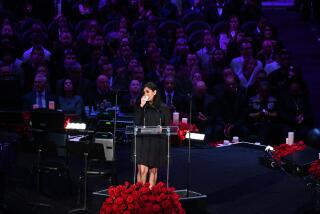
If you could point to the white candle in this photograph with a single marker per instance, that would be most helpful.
(175, 117)
(51, 105)
(184, 120)
(35, 106)
(235, 139)
(287, 141)
(290, 138)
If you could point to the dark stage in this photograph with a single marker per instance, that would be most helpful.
(231, 177)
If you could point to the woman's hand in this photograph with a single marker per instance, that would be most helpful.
(143, 101)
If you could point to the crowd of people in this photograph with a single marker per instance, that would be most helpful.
(224, 56)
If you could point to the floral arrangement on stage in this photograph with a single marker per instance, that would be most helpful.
(314, 169)
(139, 198)
(286, 149)
(184, 128)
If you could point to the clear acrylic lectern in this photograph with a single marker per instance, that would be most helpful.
(151, 130)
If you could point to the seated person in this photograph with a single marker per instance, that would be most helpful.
(69, 102)
(128, 101)
(232, 110)
(203, 109)
(81, 85)
(171, 96)
(102, 97)
(295, 110)
(263, 113)
(40, 96)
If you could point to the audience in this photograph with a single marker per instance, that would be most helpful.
(93, 48)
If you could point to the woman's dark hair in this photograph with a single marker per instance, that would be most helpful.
(157, 97)
(63, 93)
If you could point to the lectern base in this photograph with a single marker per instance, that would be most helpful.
(194, 202)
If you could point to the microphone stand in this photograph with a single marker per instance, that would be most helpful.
(114, 137)
(115, 122)
(189, 145)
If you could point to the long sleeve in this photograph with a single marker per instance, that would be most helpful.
(138, 112)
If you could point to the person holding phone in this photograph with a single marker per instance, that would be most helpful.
(151, 149)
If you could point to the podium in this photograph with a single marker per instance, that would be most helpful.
(151, 130)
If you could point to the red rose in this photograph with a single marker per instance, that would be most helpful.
(130, 199)
(124, 195)
(118, 201)
(165, 204)
(148, 210)
(144, 190)
(156, 208)
(131, 207)
(144, 198)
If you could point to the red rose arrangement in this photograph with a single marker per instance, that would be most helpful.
(286, 149)
(314, 169)
(140, 199)
(184, 128)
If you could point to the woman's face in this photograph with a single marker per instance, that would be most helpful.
(68, 85)
(150, 93)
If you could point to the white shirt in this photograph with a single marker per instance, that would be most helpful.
(220, 8)
(171, 98)
(43, 99)
(247, 82)
(237, 64)
(270, 67)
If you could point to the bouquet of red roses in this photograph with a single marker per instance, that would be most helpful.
(139, 198)
(184, 128)
(286, 149)
(314, 169)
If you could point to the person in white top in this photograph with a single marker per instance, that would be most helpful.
(246, 53)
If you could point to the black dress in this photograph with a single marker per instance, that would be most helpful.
(152, 149)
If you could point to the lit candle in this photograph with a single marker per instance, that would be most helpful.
(175, 118)
(184, 120)
(290, 138)
(51, 105)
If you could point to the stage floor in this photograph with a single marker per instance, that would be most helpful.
(231, 177)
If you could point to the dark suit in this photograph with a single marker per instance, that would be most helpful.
(178, 101)
(31, 98)
(290, 108)
(207, 106)
(125, 103)
(232, 110)
(212, 14)
(101, 102)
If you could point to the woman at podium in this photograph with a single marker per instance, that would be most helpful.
(151, 148)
